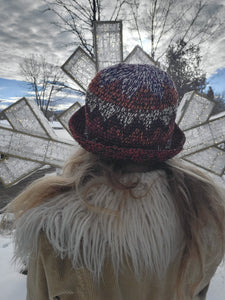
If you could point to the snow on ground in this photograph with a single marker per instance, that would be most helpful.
(217, 286)
(13, 284)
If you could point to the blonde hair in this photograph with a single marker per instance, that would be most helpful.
(197, 199)
(200, 202)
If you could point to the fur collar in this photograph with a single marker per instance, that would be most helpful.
(147, 232)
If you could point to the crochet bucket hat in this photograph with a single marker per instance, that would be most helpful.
(129, 114)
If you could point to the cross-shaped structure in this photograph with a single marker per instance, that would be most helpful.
(30, 143)
(205, 134)
(108, 45)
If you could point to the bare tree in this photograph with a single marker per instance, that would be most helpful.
(45, 80)
(161, 22)
(134, 6)
(77, 17)
(167, 21)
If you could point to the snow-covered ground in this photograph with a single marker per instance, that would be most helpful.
(13, 284)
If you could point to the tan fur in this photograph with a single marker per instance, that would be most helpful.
(147, 231)
(99, 208)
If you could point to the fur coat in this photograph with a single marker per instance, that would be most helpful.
(76, 253)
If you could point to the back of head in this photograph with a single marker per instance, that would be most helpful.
(129, 115)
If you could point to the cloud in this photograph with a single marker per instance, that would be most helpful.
(26, 29)
(5, 103)
(10, 101)
(213, 56)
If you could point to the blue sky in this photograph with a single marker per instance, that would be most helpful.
(12, 90)
(217, 81)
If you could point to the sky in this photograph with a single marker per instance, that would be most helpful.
(26, 29)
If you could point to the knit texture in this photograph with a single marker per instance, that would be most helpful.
(129, 114)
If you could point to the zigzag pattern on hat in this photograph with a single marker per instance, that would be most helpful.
(126, 116)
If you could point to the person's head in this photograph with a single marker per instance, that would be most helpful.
(129, 115)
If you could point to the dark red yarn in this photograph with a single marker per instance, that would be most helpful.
(129, 115)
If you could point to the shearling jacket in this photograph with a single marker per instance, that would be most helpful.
(77, 253)
(53, 278)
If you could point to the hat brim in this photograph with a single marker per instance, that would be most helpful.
(77, 128)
